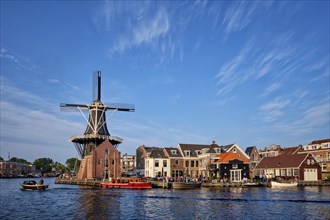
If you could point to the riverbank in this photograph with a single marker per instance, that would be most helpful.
(160, 184)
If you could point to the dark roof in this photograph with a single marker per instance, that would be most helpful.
(227, 147)
(320, 141)
(249, 150)
(157, 153)
(281, 161)
(168, 151)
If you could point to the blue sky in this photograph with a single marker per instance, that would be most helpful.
(244, 72)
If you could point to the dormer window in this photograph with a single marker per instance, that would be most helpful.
(187, 153)
(217, 150)
(173, 151)
(198, 152)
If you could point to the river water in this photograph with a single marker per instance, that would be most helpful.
(74, 202)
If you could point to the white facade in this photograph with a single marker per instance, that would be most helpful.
(157, 167)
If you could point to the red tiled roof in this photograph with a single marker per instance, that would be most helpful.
(282, 161)
(228, 156)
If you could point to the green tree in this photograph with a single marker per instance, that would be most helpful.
(1, 159)
(19, 160)
(44, 164)
(71, 163)
(59, 167)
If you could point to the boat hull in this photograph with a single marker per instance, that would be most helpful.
(34, 187)
(182, 185)
(251, 184)
(130, 185)
(278, 184)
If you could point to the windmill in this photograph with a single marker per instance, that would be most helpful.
(96, 131)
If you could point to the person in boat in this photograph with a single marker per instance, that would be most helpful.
(41, 182)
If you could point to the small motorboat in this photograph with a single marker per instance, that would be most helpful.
(33, 185)
(251, 184)
(283, 184)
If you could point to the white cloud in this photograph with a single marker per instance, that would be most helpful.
(273, 110)
(271, 89)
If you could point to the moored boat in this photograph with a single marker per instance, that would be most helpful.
(251, 184)
(33, 185)
(184, 185)
(127, 183)
(283, 184)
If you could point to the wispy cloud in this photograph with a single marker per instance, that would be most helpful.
(20, 62)
(273, 110)
(273, 87)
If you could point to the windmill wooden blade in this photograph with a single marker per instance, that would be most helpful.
(73, 107)
(120, 107)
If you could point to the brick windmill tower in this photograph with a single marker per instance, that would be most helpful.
(96, 147)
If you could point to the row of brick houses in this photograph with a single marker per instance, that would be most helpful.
(194, 160)
(310, 162)
(15, 169)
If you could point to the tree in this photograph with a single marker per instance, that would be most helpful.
(1, 159)
(44, 164)
(19, 160)
(71, 163)
(59, 167)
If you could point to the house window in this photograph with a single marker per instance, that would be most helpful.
(187, 153)
(99, 162)
(165, 163)
(218, 150)
(295, 172)
(156, 163)
(328, 156)
(198, 152)
(324, 166)
(192, 163)
(187, 163)
(308, 162)
(312, 161)
(234, 150)
(283, 172)
(196, 163)
(235, 166)
(289, 172)
(176, 162)
(173, 151)
(255, 157)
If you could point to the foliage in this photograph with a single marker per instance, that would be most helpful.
(1, 159)
(19, 160)
(70, 163)
(59, 167)
(44, 164)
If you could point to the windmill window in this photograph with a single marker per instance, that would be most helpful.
(99, 162)
(106, 163)
(106, 152)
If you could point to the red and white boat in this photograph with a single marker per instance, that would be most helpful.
(127, 183)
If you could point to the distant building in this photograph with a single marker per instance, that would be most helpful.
(176, 162)
(142, 152)
(321, 152)
(270, 151)
(289, 167)
(128, 165)
(253, 153)
(14, 169)
(232, 167)
(157, 164)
